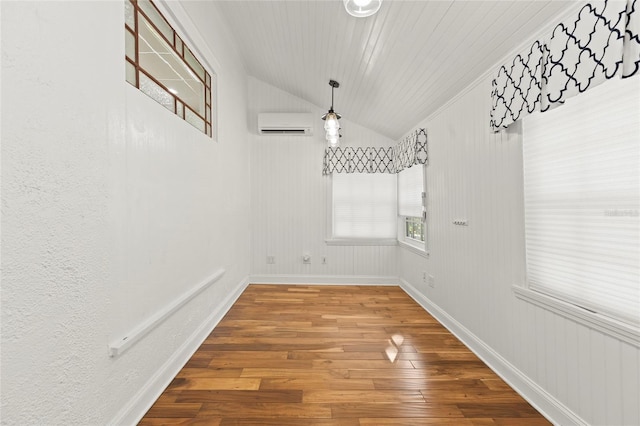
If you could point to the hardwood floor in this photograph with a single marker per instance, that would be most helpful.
(335, 355)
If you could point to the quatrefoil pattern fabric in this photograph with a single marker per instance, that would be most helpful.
(516, 89)
(585, 52)
(601, 42)
(358, 160)
(409, 151)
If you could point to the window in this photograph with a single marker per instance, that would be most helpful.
(411, 229)
(363, 206)
(160, 65)
(582, 202)
(414, 228)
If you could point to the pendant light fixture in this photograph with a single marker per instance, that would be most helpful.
(331, 123)
(362, 8)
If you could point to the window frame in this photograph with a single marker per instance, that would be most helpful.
(180, 49)
(416, 246)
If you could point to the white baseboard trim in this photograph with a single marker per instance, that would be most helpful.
(149, 393)
(324, 279)
(555, 411)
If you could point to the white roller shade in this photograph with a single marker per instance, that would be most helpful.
(582, 198)
(364, 205)
(410, 187)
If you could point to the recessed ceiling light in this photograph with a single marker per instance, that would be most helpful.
(362, 8)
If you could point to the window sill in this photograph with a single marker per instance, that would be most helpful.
(625, 332)
(361, 241)
(417, 250)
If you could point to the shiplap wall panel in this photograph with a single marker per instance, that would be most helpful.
(571, 361)
(598, 379)
(289, 195)
(630, 359)
(476, 175)
(614, 378)
(584, 365)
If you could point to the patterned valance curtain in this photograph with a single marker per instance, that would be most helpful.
(409, 151)
(601, 42)
(358, 160)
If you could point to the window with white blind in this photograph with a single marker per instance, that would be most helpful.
(363, 207)
(582, 203)
(411, 226)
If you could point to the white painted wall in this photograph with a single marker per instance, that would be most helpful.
(476, 175)
(112, 207)
(289, 198)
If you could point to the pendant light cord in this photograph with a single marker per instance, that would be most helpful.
(332, 97)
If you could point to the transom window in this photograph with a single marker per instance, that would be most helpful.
(160, 64)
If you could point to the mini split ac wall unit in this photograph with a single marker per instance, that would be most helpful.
(285, 123)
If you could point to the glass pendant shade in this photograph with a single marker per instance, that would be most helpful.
(331, 134)
(333, 141)
(362, 8)
(331, 123)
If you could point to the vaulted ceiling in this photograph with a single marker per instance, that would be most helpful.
(394, 68)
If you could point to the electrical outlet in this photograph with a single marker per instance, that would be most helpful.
(432, 281)
(271, 260)
(424, 277)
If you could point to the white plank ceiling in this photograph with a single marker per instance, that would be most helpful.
(394, 68)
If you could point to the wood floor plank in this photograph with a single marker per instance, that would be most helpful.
(188, 372)
(214, 383)
(426, 421)
(430, 384)
(365, 364)
(306, 383)
(250, 355)
(261, 363)
(241, 410)
(288, 421)
(520, 421)
(498, 410)
(455, 396)
(361, 396)
(335, 355)
(241, 396)
(403, 373)
(296, 373)
(395, 410)
(372, 347)
(173, 410)
(160, 421)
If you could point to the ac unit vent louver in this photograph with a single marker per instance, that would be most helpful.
(285, 124)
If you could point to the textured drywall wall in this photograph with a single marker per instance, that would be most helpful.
(111, 208)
